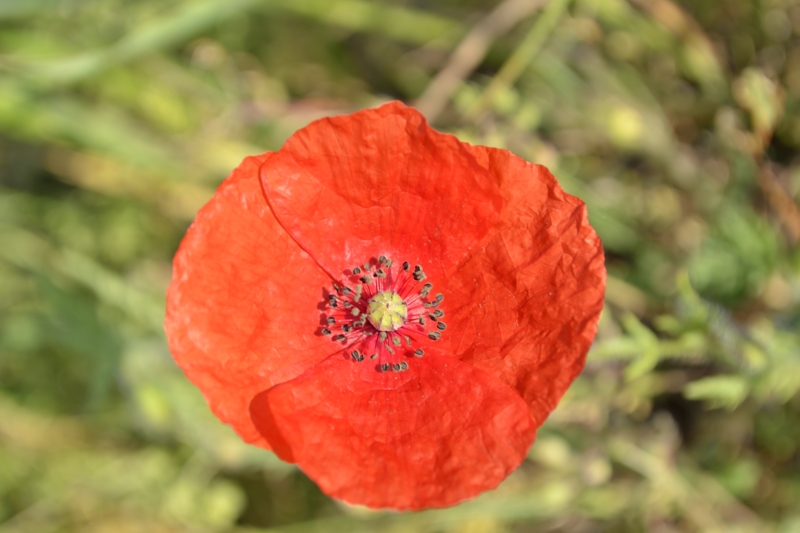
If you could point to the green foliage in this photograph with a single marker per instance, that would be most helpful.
(676, 123)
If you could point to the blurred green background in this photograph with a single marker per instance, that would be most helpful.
(676, 122)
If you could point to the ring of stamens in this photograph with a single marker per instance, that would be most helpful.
(383, 311)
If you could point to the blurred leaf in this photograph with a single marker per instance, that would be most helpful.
(762, 98)
(719, 391)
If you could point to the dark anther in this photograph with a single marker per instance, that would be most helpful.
(380, 273)
(422, 321)
(358, 356)
(366, 280)
(325, 331)
(426, 289)
(439, 297)
(419, 276)
(418, 268)
(396, 367)
(384, 367)
(403, 366)
(342, 337)
(337, 288)
(373, 356)
(434, 335)
(388, 262)
(441, 326)
(419, 352)
(347, 305)
(382, 259)
(331, 320)
(439, 313)
(356, 271)
(356, 311)
(432, 316)
(406, 266)
(346, 291)
(346, 328)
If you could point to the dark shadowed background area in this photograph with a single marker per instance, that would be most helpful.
(676, 122)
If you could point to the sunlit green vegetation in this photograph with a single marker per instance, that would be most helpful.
(677, 123)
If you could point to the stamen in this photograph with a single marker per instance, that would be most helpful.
(419, 352)
(331, 320)
(356, 271)
(406, 266)
(325, 331)
(384, 367)
(434, 335)
(342, 337)
(441, 326)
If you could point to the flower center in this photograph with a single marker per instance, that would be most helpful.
(383, 313)
(387, 311)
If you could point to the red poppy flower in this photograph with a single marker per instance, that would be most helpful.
(392, 309)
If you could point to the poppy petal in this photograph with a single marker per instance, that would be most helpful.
(380, 181)
(242, 306)
(525, 306)
(434, 435)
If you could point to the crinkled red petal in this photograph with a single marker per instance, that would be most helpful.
(525, 306)
(242, 308)
(437, 434)
(381, 181)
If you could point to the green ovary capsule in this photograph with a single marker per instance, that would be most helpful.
(387, 311)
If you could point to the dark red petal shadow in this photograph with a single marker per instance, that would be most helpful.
(525, 306)
(432, 436)
(380, 181)
(242, 306)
